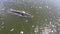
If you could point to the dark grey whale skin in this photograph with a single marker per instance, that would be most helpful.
(26, 15)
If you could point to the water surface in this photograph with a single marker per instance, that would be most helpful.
(45, 21)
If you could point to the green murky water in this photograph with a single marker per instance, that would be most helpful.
(44, 15)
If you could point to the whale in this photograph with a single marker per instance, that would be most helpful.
(20, 13)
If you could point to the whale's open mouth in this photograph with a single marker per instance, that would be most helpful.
(20, 13)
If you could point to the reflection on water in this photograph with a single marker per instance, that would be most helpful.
(46, 18)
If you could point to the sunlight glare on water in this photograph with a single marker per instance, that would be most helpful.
(21, 32)
(45, 18)
(12, 29)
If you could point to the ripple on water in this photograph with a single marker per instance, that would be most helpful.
(46, 30)
(23, 0)
(2, 26)
(50, 29)
(21, 32)
(26, 20)
(40, 7)
(46, 6)
(36, 29)
(12, 29)
(33, 26)
(3, 9)
(45, 19)
(2, 23)
(31, 7)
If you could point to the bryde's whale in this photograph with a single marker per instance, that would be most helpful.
(20, 13)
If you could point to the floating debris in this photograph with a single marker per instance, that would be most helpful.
(20, 13)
